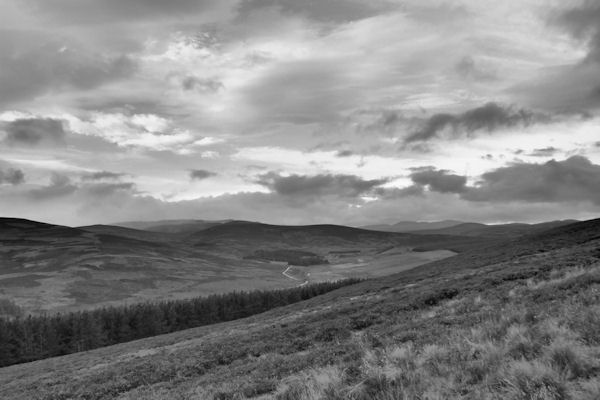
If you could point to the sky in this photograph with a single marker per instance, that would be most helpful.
(299, 111)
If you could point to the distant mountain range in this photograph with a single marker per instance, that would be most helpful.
(450, 227)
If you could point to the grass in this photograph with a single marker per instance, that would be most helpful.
(511, 357)
(515, 322)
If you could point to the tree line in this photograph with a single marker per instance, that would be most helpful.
(31, 338)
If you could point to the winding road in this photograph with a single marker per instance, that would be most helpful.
(285, 273)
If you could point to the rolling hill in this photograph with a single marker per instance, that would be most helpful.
(499, 230)
(512, 320)
(242, 236)
(171, 225)
(49, 268)
(412, 226)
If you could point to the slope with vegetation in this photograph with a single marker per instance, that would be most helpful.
(514, 321)
(39, 337)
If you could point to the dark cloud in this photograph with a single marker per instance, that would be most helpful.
(574, 179)
(545, 152)
(201, 85)
(469, 69)
(102, 175)
(200, 174)
(583, 22)
(108, 189)
(344, 153)
(439, 180)
(576, 87)
(34, 131)
(319, 185)
(489, 117)
(62, 186)
(36, 65)
(12, 176)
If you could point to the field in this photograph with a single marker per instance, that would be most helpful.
(516, 321)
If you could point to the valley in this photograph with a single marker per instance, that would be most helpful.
(47, 268)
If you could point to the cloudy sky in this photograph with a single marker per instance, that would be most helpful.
(299, 111)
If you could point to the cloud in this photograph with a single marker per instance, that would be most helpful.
(344, 153)
(338, 11)
(111, 11)
(201, 85)
(489, 117)
(300, 92)
(574, 87)
(574, 179)
(107, 189)
(145, 131)
(59, 186)
(318, 185)
(62, 186)
(439, 180)
(470, 69)
(34, 131)
(399, 193)
(200, 174)
(102, 175)
(583, 22)
(544, 152)
(12, 176)
(33, 65)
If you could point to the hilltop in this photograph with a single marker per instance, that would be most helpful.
(451, 227)
(511, 320)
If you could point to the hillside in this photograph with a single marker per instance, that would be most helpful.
(499, 230)
(241, 236)
(49, 268)
(184, 226)
(519, 320)
(412, 226)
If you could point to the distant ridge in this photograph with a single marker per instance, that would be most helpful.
(172, 225)
(458, 228)
(412, 226)
(500, 230)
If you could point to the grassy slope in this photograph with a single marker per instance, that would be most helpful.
(519, 321)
